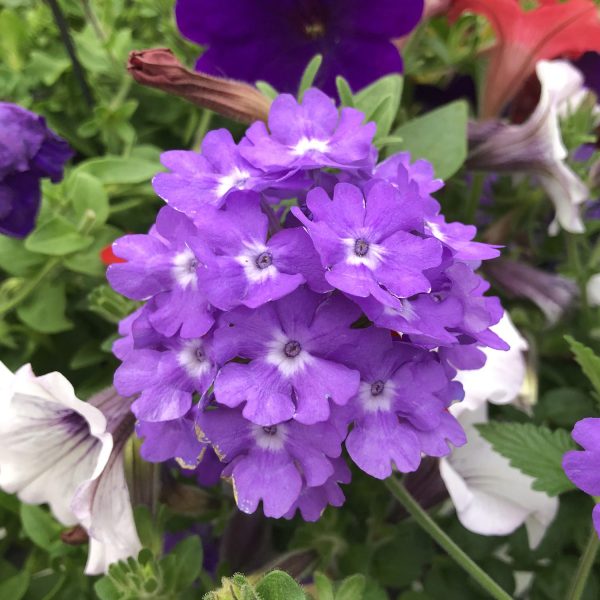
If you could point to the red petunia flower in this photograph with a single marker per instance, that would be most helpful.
(524, 37)
(108, 257)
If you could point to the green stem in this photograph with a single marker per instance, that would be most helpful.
(429, 525)
(29, 286)
(584, 568)
(203, 126)
(474, 197)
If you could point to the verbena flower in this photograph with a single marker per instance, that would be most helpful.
(329, 303)
(58, 450)
(525, 37)
(264, 39)
(29, 151)
(583, 466)
(535, 147)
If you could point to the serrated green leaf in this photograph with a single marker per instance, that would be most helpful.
(308, 77)
(188, 560)
(380, 102)
(589, 362)
(352, 588)
(278, 585)
(439, 136)
(535, 450)
(45, 310)
(57, 237)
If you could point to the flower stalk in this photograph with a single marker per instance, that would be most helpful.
(401, 494)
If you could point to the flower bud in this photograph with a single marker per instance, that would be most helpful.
(159, 68)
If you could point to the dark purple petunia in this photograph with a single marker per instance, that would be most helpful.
(29, 151)
(293, 372)
(273, 40)
(583, 467)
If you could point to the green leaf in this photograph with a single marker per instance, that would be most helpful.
(106, 589)
(42, 529)
(352, 588)
(535, 450)
(324, 586)
(439, 136)
(15, 587)
(188, 560)
(88, 261)
(380, 102)
(308, 77)
(87, 194)
(120, 170)
(15, 259)
(588, 361)
(344, 92)
(267, 89)
(278, 585)
(57, 237)
(45, 311)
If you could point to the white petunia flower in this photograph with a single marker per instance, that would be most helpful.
(58, 450)
(490, 496)
(535, 147)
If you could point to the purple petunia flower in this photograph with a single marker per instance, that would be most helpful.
(366, 244)
(271, 463)
(293, 370)
(274, 40)
(310, 135)
(29, 151)
(249, 268)
(163, 267)
(400, 408)
(583, 467)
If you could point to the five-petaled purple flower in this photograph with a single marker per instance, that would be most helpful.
(299, 296)
(583, 466)
(274, 40)
(29, 151)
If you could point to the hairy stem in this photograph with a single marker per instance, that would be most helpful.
(584, 568)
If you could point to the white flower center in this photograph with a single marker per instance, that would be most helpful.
(307, 144)
(192, 357)
(359, 251)
(184, 269)
(287, 355)
(234, 180)
(377, 396)
(257, 261)
(270, 438)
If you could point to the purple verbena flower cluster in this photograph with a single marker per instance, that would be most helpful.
(298, 296)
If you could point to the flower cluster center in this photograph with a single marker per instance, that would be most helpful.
(292, 349)
(361, 247)
(377, 388)
(264, 260)
(271, 430)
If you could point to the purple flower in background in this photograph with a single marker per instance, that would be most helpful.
(29, 151)
(583, 467)
(293, 371)
(310, 135)
(367, 246)
(274, 40)
(589, 65)
(271, 463)
(249, 268)
(400, 408)
(201, 179)
(162, 266)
